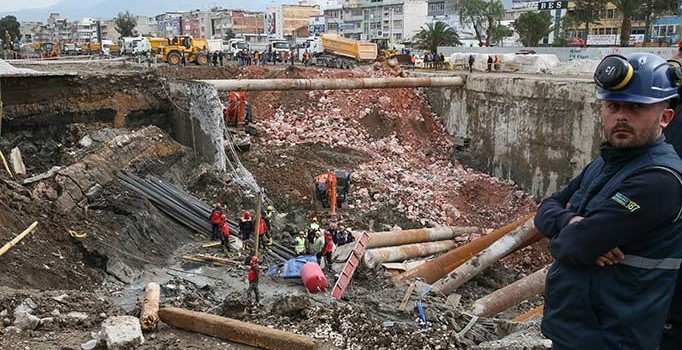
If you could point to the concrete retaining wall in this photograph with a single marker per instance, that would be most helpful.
(537, 130)
(564, 53)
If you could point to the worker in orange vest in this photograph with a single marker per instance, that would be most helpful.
(327, 250)
(256, 57)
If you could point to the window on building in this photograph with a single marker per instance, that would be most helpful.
(397, 36)
(398, 10)
(637, 31)
(610, 13)
(398, 23)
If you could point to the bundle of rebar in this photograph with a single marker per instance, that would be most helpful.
(185, 208)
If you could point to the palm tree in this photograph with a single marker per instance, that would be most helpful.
(436, 34)
(627, 9)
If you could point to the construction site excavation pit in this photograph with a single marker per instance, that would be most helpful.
(120, 167)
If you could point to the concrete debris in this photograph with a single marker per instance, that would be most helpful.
(17, 161)
(121, 332)
(26, 321)
(43, 176)
(27, 306)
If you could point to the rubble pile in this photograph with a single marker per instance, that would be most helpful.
(354, 327)
(408, 164)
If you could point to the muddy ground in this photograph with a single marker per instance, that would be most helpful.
(130, 242)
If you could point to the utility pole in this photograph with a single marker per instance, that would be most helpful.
(1, 108)
(256, 238)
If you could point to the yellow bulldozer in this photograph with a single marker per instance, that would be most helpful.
(194, 50)
(46, 49)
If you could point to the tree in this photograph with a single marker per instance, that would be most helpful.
(587, 12)
(436, 34)
(532, 27)
(494, 12)
(125, 23)
(499, 32)
(652, 9)
(627, 9)
(482, 15)
(11, 25)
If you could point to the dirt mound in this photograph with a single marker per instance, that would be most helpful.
(396, 148)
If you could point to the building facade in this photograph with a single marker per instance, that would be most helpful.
(397, 20)
(282, 21)
(146, 26)
(169, 24)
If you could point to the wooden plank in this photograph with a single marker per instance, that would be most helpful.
(406, 298)
(18, 238)
(211, 244)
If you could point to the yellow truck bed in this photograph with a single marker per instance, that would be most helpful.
(359, 50)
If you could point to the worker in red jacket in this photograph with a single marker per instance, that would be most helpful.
(262, 230)
(215, 219)
(254, 275)
(326, 250)
(225, 234)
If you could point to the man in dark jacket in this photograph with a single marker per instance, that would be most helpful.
(246, 229)
(471, 63)
(672, 330)
(614, 230)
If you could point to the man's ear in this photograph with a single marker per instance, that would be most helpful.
(667, 117)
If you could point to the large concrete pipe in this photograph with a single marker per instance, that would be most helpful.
(433, 270)
(486, 258)
(332, 84)
(512, 294)
(375, 257)
(401, 237)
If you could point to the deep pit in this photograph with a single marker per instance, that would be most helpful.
(161, 123)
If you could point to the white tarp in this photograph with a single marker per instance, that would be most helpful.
(508, 62)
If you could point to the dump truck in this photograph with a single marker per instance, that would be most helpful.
(194, 50)
(332, 50)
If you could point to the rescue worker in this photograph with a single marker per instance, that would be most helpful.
(314, 226)
(413, 59)
(672, 330)
(252, 278)
(472, 59)
(246, 228)
(283, 56)
(345, 236)
(225, 234)
(614, 230)
(316, 247)
(292, 56)
(256, 57)
(262, 229)
(215, 219)
(268, 215)
(306, 58)
(326, 251)
(299, 243)
(496, 63)
(490, 64)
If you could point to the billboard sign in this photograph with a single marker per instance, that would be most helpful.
(552, 5)
(607, 39)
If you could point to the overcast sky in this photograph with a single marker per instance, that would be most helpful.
(13, 5)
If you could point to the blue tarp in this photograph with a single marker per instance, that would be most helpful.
(292, 267)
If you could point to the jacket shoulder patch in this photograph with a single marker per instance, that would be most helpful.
(626, 202)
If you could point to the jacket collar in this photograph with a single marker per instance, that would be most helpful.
(616, 156)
